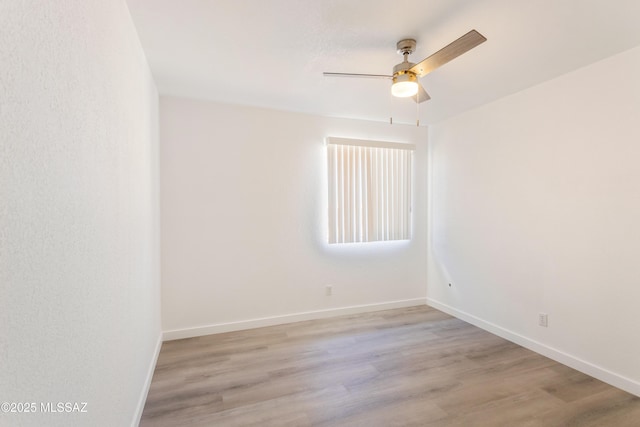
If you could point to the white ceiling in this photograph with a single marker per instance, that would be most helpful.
(271, 53)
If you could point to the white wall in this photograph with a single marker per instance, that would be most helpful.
(79, 249)
(244, 220)
(534, 207)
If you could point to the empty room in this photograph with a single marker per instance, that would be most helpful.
(319, 213)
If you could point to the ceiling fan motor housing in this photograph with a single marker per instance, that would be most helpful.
(401, 71)
(403, 68)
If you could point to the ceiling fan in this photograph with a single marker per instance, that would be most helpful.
(405, 74)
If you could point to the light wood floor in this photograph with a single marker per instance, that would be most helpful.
(407, 367)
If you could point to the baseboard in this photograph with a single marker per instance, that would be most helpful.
(588, 368)
(289, 318)
(147, 384)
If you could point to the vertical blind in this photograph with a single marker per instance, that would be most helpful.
(369, 190)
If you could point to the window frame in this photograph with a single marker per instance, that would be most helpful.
(370, 190)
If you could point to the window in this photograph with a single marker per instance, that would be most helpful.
(369, 190)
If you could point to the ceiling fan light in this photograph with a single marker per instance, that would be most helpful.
(404, 85)
(404, 89)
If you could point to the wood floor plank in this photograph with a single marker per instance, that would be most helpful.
(407, 367)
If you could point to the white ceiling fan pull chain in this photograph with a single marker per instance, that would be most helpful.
(418, 110)
(390, 108)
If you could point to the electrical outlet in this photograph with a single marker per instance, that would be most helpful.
(543, 319)
(328, 290)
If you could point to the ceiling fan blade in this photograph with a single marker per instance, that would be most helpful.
(371, 76)
(422, 95)
(448, 53)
